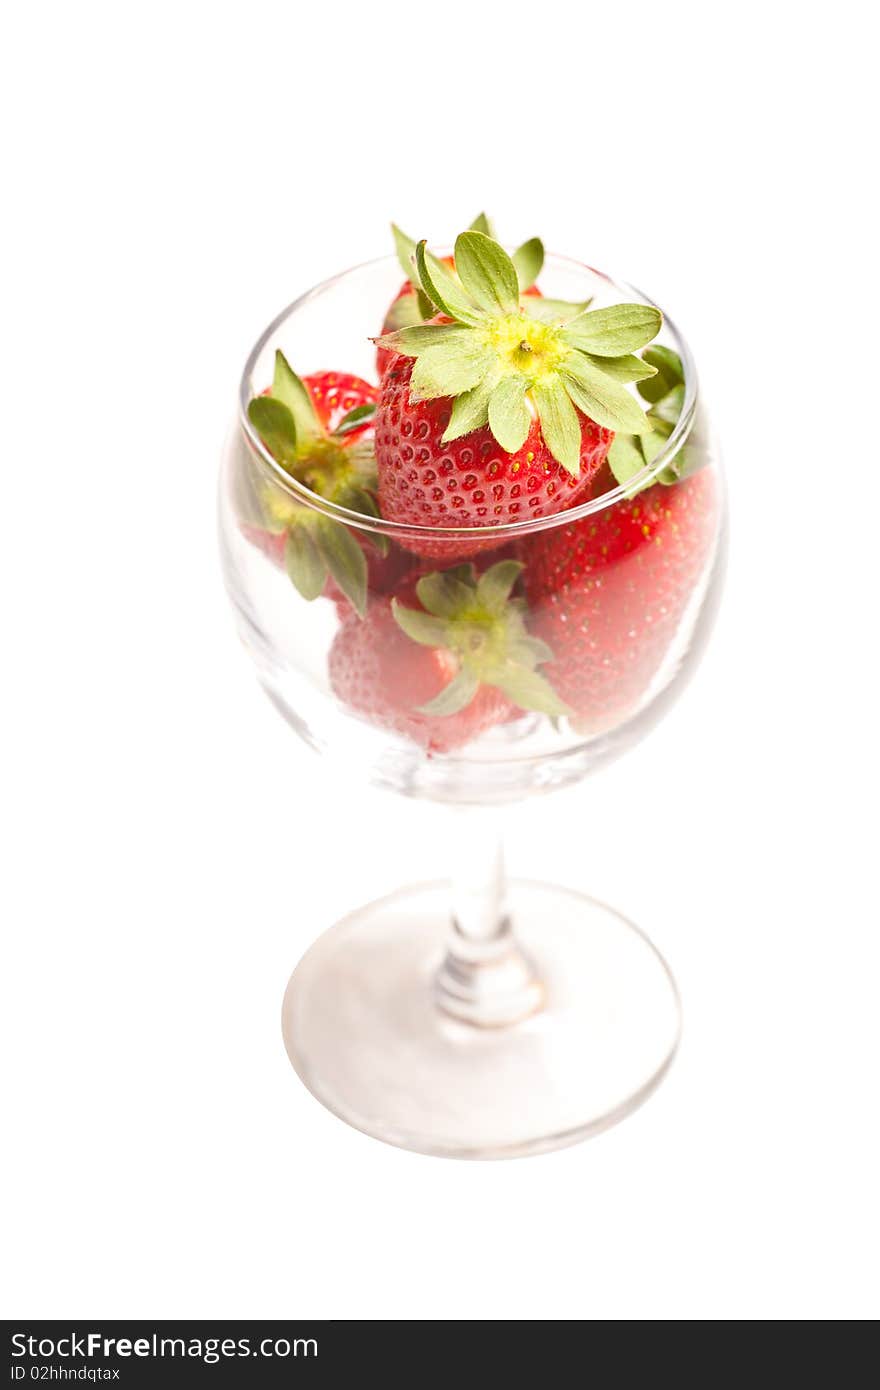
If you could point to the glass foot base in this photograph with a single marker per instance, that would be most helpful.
(364, 1031)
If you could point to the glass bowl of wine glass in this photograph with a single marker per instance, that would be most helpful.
(464, 589)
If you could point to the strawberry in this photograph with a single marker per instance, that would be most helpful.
(335, 396)
(317, 428)
(410, 306)
(378, 671)
(443, 660)
(607, 593)
(472, 480)
(507, 412)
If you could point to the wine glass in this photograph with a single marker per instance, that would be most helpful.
(486, 1017)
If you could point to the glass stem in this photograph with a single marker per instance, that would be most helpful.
(485, 978)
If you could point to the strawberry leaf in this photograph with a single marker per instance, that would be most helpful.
(287, 388)
(406, 253)
(625, 458)
(670, 373)
(411, 341)
(376, 541)
(446, 593)
(528, 260)
(407, 310)
(447, 370)
(553, 311)
(669, 407)
(355, 419)
(487, 273)
(304, 562)
(606, 401)
(361, 459)
(275, 425)
(424, 628)
(687, 461)
(629, 454)
(615, 330)
(626, 368)
(358, 499)
(470, 410)
(454, 697)
(482, 224)
(559, 423)
(496, 585)
(426, 308)
(530, 690)
(654, 439)
(423, 308)
(526, 651)
(345, 560)
(444, 290)
(509, 418)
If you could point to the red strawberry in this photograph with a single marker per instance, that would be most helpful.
(316, 428)
(508, 412)
(607, 593)
(445, 659)
(335, 395)
(471, 481)
(378, 671)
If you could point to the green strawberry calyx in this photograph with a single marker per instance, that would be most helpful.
(506, 358)
(484, 627)
(630, 454)
(412, 309)
(329, 464)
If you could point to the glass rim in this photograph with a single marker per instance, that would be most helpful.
(506, 530)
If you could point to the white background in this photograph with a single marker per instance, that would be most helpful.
(174, 175)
